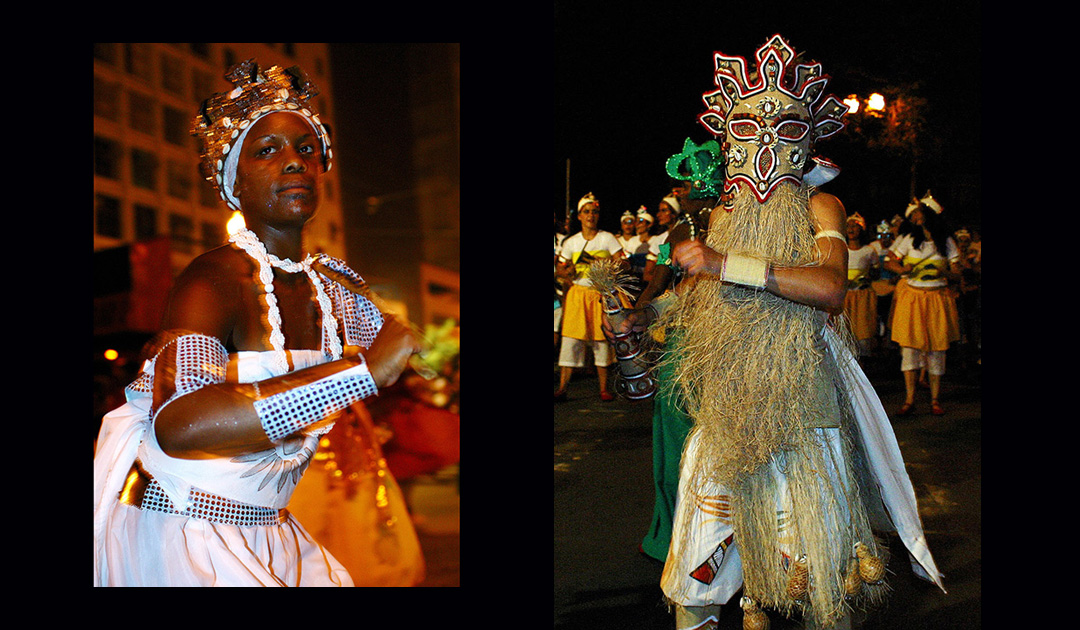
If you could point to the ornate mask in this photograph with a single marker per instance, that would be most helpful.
(768, 122)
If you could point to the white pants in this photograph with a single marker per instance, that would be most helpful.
(912, 359)
(572, 352)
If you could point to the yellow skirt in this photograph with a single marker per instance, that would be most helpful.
(583, 314)
(860, 306)
(925, 319)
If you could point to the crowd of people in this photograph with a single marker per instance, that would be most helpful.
(914, 291)
(885, 262)
(578, 241)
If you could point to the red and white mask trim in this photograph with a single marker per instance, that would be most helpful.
(767, 124)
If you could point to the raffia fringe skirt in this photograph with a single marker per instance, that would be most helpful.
(860, 306)
(925, 319)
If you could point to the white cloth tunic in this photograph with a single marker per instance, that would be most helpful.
(190, 551)
(709, 571)
(141, 547)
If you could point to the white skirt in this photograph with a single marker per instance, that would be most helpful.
(147, 548)
(135, 547)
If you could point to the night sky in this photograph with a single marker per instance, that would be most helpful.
(628, 87)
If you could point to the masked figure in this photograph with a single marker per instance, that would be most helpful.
(791, 464)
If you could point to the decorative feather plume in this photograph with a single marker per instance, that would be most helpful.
(607, 277)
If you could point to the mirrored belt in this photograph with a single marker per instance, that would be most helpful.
(143, 491)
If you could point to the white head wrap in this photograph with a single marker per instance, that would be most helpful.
(672, 201)
(927, 201)
(588, 198)
(644, 214)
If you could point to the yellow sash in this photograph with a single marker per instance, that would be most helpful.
(925, 269)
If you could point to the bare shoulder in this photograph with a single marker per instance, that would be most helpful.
(828, 212)
(220, 267)
(205, 295)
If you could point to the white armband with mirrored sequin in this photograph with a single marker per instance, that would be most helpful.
(288, 412)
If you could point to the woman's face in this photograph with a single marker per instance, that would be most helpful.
(854, 230)
(627, 227)
(278, 170)
(589, 216)
(916, 216)
(643, 226)
(664, 214)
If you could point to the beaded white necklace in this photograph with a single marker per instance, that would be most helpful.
(251, 244)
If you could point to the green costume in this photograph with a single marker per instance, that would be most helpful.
(670, 428)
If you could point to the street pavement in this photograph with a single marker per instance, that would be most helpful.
(604, 502)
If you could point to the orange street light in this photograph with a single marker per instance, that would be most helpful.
(236, 223)
(852, 103)
(875, 103)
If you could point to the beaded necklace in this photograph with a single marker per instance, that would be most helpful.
(246, 240)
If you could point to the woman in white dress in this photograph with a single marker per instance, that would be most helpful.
(192, 475)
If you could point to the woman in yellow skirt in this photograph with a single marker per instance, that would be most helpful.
(582, 307)
(924, 319)
(860, 303)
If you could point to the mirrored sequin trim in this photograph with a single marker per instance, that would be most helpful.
(361, 319)
(186, 364)
(210, 507)
(290, 411)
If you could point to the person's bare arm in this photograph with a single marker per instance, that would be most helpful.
(222, 419)
(822, 286)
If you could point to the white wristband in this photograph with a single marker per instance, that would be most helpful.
(745, 270)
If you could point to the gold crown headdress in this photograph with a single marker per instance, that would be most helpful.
(769, 120)
(224, 118)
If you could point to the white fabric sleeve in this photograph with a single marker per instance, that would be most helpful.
(359, 316)
(185, 362)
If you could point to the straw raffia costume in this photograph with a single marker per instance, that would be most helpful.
(792, 463)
